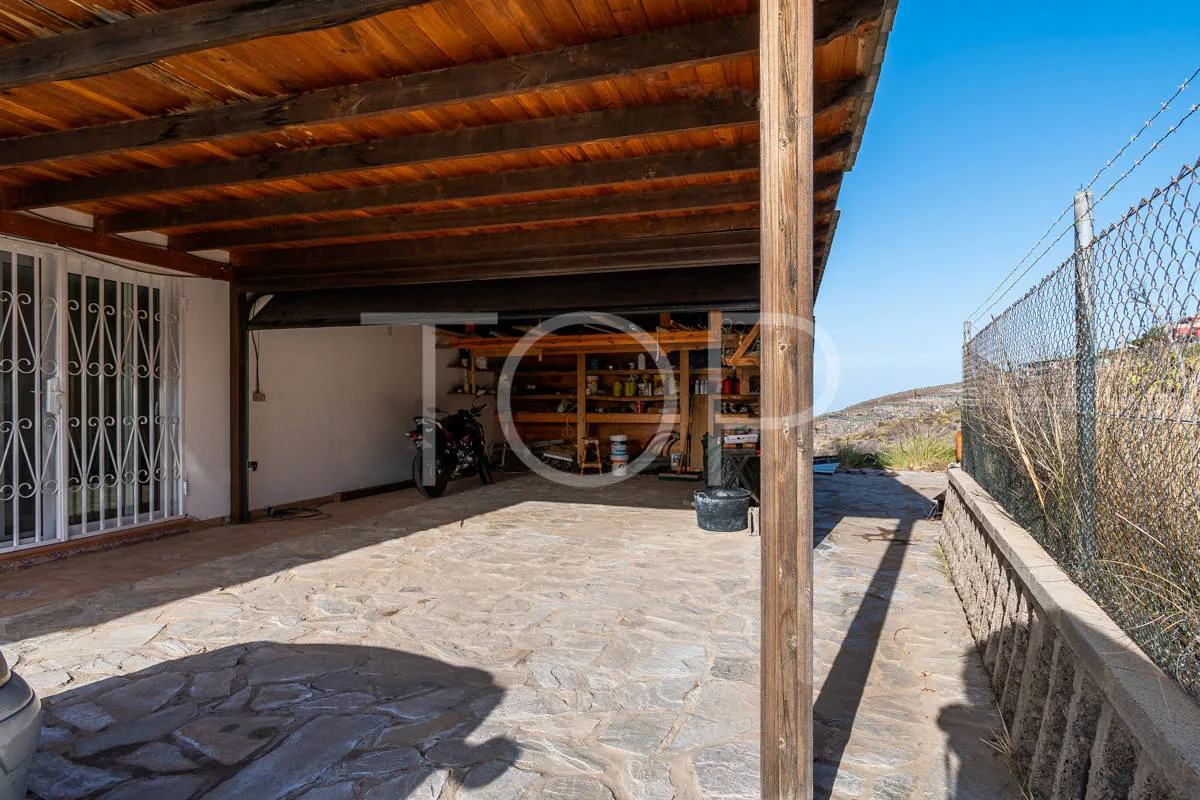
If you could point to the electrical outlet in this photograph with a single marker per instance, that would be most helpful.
(260, 397)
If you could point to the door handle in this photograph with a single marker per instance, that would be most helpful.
(54, 396)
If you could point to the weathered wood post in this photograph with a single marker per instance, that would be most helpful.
(786, 118)
(239, 409)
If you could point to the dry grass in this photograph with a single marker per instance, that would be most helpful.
(1146, 572)
(852, 456)
(919, 452)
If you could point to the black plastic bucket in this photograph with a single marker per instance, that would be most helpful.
(722, 510)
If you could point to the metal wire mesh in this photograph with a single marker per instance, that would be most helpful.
(1081, 416)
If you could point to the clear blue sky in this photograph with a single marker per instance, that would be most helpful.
(988, 117)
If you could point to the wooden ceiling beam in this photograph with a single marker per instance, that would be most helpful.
(47, 231)
(510, 137)
(484, 251)
(509, 182)
(690, 46)
(647, 245)
(676, 258)
(834, 18)
(689, 198)
(146, 38)
(675, 289)
(470, 244)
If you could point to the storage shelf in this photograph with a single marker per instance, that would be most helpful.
(632, 372)
(595, 416)
(727, 419)
(604, 371)
(660, 398)
(632, 419)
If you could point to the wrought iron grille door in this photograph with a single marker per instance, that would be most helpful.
(89, 364)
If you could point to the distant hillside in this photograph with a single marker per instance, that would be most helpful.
(873, 424)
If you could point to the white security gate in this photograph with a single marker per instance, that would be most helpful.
(89, 382)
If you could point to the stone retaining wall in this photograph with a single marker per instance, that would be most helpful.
(1089, 716)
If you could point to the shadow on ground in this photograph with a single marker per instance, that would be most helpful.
(264, 720)
(879, 724)
(976, 739)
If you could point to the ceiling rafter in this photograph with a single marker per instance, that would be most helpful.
(677, 256)
(507, 137)
(146, 38)
(648, 244)
(583, 208)
(27, 226)
(510, 182)
(467, 244)
(688, 46)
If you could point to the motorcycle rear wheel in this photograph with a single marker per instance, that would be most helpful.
(428, 490)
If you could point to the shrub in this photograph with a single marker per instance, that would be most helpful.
(922, 453)
(854, 457)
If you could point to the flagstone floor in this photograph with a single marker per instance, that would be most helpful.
(522, 640)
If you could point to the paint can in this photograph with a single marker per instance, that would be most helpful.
(619, 453)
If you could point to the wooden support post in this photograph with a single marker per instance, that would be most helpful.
(580, 406)
(786, 125)
(239, 407)
(685, 407)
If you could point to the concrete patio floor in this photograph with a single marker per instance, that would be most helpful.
(522, 640)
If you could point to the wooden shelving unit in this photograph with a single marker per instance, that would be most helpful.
(742, 359)
(557, 369)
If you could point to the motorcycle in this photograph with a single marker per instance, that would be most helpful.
(447, 448)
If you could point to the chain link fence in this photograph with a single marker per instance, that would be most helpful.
(1081, 416)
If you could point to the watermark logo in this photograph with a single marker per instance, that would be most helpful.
(780, 332)
(529, 342)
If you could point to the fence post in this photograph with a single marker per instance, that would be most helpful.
(966, 406)
(1085, 375)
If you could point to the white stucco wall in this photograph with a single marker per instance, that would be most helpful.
(339, 403)
(205, 360)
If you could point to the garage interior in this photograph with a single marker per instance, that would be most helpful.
(240, 183)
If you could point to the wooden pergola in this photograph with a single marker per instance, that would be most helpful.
(352, 153)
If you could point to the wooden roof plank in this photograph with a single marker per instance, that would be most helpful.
(146, 38)
(512, 137)
(630, 55)
(510, 182)
(585, 208)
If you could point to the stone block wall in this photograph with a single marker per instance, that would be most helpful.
(1088, 715)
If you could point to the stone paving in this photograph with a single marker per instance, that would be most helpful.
(521, 640)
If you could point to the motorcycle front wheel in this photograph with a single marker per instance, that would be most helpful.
(429, 490)
(485, 471)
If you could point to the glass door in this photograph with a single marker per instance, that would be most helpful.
(90, 433)
(30, 426)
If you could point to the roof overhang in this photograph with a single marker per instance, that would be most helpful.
(418, 142)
